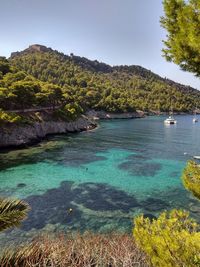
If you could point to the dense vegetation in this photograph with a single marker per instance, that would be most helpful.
(40, 77)
(182, 22)
(20, 91)
(91, 84)
(171, 240)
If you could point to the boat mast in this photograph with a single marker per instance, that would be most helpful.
(171, 107)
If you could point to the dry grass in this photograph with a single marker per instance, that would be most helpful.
(88, 250)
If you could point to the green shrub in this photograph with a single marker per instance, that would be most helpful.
(172, 240)
(6, 117)
(73, 110)
(191, 178)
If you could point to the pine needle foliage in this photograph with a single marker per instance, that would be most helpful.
(12, 212)
(171, 240)
(182, 22)
(191, 178)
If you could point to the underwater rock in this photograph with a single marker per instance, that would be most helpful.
(21, 185)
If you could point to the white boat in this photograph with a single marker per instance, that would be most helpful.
(196, 157)
(195, 118)
(170, 120)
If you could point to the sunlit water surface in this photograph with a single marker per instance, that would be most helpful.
(107, 176)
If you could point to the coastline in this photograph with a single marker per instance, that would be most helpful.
(15, 136)
(103, 115)
(19, 136)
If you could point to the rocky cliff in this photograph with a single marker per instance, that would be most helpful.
(15, 135)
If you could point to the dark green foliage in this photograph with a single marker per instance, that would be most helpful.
(4, 66)
(20, 92)
(182, 22)
(91, 84)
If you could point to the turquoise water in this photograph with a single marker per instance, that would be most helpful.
(106, 176)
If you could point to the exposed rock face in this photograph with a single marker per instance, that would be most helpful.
(15, 135)
(37, 47)
(32, 48)
(95, 115)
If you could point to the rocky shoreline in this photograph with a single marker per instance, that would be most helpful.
(16, 136)
(19, 136)
(96, 115)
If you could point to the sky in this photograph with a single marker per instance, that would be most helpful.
(117, 32)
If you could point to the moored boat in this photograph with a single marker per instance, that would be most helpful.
(170, 120)
(195, 119)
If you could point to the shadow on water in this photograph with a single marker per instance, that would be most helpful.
(95, 205)
(139, 165)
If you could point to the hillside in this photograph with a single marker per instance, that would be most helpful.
(31, 109)
(91, 84)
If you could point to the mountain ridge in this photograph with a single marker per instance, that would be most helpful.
(97, 85)
(134, 69)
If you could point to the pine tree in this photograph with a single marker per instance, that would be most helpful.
(182, 22)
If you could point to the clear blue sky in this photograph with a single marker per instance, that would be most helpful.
(113, 31)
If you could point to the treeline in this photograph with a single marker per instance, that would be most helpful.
(91, 84)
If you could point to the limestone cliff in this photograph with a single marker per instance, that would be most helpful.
(15, 135)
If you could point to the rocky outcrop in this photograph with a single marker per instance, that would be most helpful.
(16, 135)
(95, 115)
(32, 49)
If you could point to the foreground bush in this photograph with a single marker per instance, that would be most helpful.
(88, 250)
(172, 240)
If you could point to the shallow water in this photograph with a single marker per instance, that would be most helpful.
(106, 176)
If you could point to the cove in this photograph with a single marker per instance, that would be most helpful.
(106, 176)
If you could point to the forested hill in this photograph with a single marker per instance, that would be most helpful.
(91, 84)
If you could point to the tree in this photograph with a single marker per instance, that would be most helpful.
(171, 240)
(50, 95)
(23, 93)
(182, 22)
(191, 178)
(4, 65)
(12, 212)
